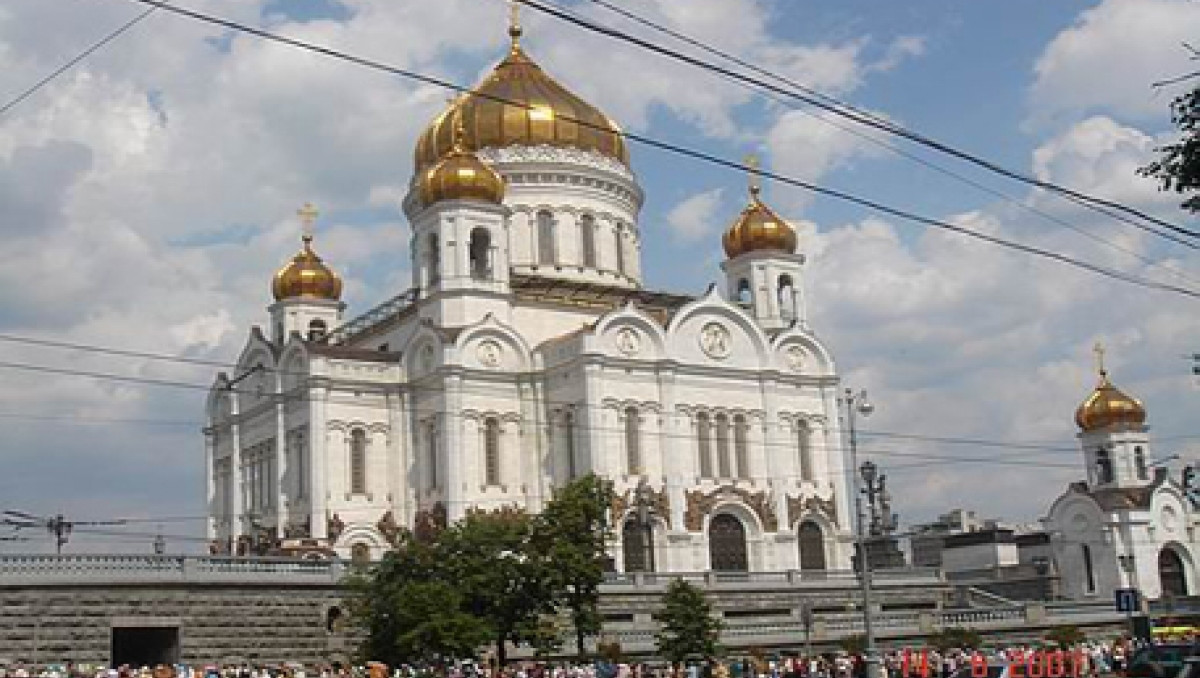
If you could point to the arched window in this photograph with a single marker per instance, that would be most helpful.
(360, 554)
(1171, 575)
(619, 243)
(741, 444)
(431, 449)
(787, 298)
(435, 260)
(1089, 571)
(587, 240)
(727, 544)
(491, 451)
(723, 451)
(804, 447)
(637, 542)
(745, 298)
(1139, 460)
(1104, 469)
(704, 444)
(569, 443)
(481, 254)
(633, 447)
(317, 329)
(812, 546)
(358, 461)
(545, 237)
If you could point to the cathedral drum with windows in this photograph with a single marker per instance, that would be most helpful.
(1129, 524)
(526, 353)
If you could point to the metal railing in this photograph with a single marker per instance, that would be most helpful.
(135, 569)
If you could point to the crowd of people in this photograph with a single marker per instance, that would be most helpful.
(1087, 660)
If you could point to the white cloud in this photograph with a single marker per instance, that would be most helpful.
(806, 147)
(1108, 59)
(697, 217)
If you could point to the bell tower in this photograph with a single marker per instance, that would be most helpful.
(460, 243)
(1113, 435)
(763, 272)
(307, 292)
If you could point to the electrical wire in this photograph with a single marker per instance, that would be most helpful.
(80, 57)
(844, 110)
(688, 152)
(817, 115)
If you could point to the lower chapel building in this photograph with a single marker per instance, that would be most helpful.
(527, 353)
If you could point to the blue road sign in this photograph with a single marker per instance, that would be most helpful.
(1127, 600)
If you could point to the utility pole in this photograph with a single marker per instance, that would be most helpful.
(58, 526)
(858, 404)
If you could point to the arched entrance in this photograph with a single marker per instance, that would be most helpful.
(1171, 575)
(727, 544)
(637, 543)
(812, 546)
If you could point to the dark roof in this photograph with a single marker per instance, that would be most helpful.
(660, 305)
(363, 354)
(1033, 538)
(994, 536)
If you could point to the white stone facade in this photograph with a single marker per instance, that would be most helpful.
(515, 365)
(1127, 526)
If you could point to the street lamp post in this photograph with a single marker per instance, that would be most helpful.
(856, 404)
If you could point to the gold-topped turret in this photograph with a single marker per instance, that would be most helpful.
(758, 227)
(519, 105)
(306, 276)
(460, 175)
(1107, 405)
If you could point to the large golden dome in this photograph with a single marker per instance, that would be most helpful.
(1109, 406)
(519, 105)
(758, 228)
(460, 175)
(306, 276)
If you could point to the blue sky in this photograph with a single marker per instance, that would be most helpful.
(147, 196)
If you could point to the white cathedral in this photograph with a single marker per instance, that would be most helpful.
(527, 353)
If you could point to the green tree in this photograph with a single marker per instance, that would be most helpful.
(1178, 165)
(855, 644)
(1065, 636)
(489, 559)
(687, 627)
(955, 637)
(572, 531)
(408, 614)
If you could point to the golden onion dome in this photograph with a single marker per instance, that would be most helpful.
(519, 105)
(758, 228)
(460, 175)
(1109, 406)
(306, 276)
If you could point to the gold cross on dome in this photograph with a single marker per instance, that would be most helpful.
(752, 166)
(308, 216)
(1098, 349)
(514, 20)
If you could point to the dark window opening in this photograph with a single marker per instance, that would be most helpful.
(139, 646)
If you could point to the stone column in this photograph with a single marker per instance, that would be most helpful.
(451, 451)
(318, 433)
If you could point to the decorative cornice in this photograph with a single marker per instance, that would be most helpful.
(700, 505)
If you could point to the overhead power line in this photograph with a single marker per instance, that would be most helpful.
(683, 151)
(822, 116)
(78, 58)
(1109, 207)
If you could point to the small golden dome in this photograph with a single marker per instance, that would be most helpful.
(1109, 406)
(461, 175)
(758, 228)
(306, 276)
(519, 105)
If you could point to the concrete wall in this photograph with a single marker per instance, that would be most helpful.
(263, 624)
